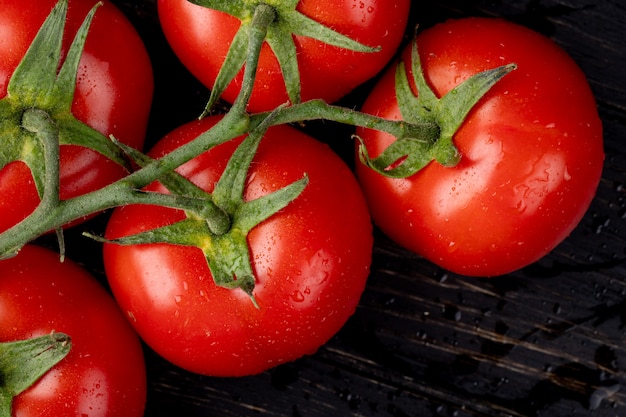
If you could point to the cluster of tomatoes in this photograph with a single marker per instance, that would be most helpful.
(530, 151)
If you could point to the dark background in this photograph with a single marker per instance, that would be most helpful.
(545, 341)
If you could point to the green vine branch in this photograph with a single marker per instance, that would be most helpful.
(417, 137)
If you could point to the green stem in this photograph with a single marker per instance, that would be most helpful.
(218, 220)
(24, 362)
(319, 109)
(51, 215)
(41, 124)
(263, 16)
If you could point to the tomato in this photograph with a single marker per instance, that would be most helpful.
(532, 153)
(200, 37)
(113, 95)
(104, 372)
(310, 260)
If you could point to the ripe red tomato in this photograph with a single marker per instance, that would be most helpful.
(532, 153)
(200, 37)
(311, 261)
(113, 95)
(104, 372)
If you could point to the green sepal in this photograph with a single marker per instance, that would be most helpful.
(234, 61)
(24, 362)
(407, 155)
(227, 254)
(287, 22)
(41, 82)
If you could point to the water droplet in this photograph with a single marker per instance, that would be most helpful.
(297, 296)
(452, 247)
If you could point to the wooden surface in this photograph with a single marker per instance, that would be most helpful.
(545, 341)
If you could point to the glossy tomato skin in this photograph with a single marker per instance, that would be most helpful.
(311, 262)
(113, 95)
(200, 37)
(532, 153)
(104, 372)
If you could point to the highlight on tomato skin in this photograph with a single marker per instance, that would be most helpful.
(311, 261)
(104, 372)
(532, 153)
(113, 95)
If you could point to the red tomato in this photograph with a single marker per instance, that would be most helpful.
(104, 372)
(113, 95)
(532, 153)
(201, 37)
(311, 261)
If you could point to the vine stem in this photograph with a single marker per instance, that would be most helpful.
(52, 213)
(319, 109)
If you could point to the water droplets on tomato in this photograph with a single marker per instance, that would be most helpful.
(362, 7)
(298, 296)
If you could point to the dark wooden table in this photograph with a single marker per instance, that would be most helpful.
(545, 341)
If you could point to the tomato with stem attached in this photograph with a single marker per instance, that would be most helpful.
(113, 94)
(310, 260)
(104, 372)
(531, 151)
(328, 65)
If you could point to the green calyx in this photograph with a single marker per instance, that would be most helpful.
(24, 362)
(40, 82)
(282, 21)
(218, 223)
(407, 155)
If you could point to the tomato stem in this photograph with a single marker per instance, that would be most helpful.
(406, 156)
(44, 128)
(285, 22)
(43, 81)
(52, 215)
(426, 131)
(199, 202)
(24, 362)
(227, 254)
(255, 33)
